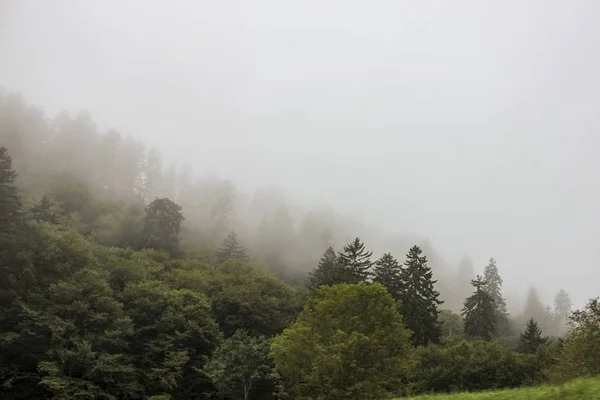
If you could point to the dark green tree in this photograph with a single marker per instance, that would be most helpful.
(238, 366)
(531, 338)
(388, 272)
(327, 272)
(356, 262)
(162, 224)
(493, 287)
(231, 249)
(420, 300)
(10, 202)
(479, 312)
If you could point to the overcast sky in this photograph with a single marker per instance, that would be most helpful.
(473, 123)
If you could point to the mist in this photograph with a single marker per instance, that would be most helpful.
(469, 128)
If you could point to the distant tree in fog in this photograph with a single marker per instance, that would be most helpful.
(356, 262)
(231, 249)
(162, 224)
(388, 272)
(493, 287)
(479, 312)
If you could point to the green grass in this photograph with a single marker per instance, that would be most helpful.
(579, 389)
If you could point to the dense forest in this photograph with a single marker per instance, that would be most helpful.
(123, 278)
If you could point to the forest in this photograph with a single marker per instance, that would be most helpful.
(124, 278)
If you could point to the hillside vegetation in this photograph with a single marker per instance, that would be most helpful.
(579, 389)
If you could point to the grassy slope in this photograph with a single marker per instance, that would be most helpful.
(579, 389)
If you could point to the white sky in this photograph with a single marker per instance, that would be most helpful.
(472, 123)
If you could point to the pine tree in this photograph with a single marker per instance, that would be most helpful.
(531, 338)
(356, 262)
(420, 300)
(327, 272)
(162, 224)
(479, 312)
(10, 202)
(231, 249)
(388, 272)
(494, 288)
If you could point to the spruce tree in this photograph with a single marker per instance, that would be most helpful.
(356, 262)
(493, 287)
(420, 300)
(10, 202)
(327, 272)
(388, 272)
(531, 338)
(231, 249)
(479, 312)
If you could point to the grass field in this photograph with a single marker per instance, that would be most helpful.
(579, 389)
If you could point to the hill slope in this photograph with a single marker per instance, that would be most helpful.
(579, 389)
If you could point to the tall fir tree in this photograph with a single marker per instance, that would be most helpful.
(231, 249)
(327, 272)
(420, 300)
(531, 338)
(493, 287)
(562, 311)
(162, 224)
(10, 202)
(356, 262)
(388, 272)
(479, 312)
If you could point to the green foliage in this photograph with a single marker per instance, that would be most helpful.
(122, 228)
(10, 202)
(531, 338)
(356, 262)
(328, 271)
(231, 249)
(388, 272)
(452, 325)
(162, 224)
(580, 350)
(243, 297)
(349, 342)
(238, 365)
(479, 312)
(473, 365)
(493, 287)
(420, 300)
(579, 389)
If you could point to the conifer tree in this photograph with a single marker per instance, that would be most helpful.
(327, 272)
(356, 262)
(231, 249)
(493, 287)
(479, 312)
(420, 300)
(531, 338)
(10, 202)
(388, 272)
(562, 310)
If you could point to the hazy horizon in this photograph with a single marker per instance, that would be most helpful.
(474, 125)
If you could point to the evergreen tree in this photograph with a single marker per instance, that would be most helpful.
(231, 249)
(162, 224)
(531, 338)
(479, 312)
(494, 288)
(356, 262)
(327, 272)
(420, 299)
(536, 310)
(562, 310)
(388, 272)
(10, 202)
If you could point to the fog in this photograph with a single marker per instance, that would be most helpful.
(473, 125)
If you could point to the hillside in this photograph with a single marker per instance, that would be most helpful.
(579, 389)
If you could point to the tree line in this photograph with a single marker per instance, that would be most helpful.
(103, 297)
